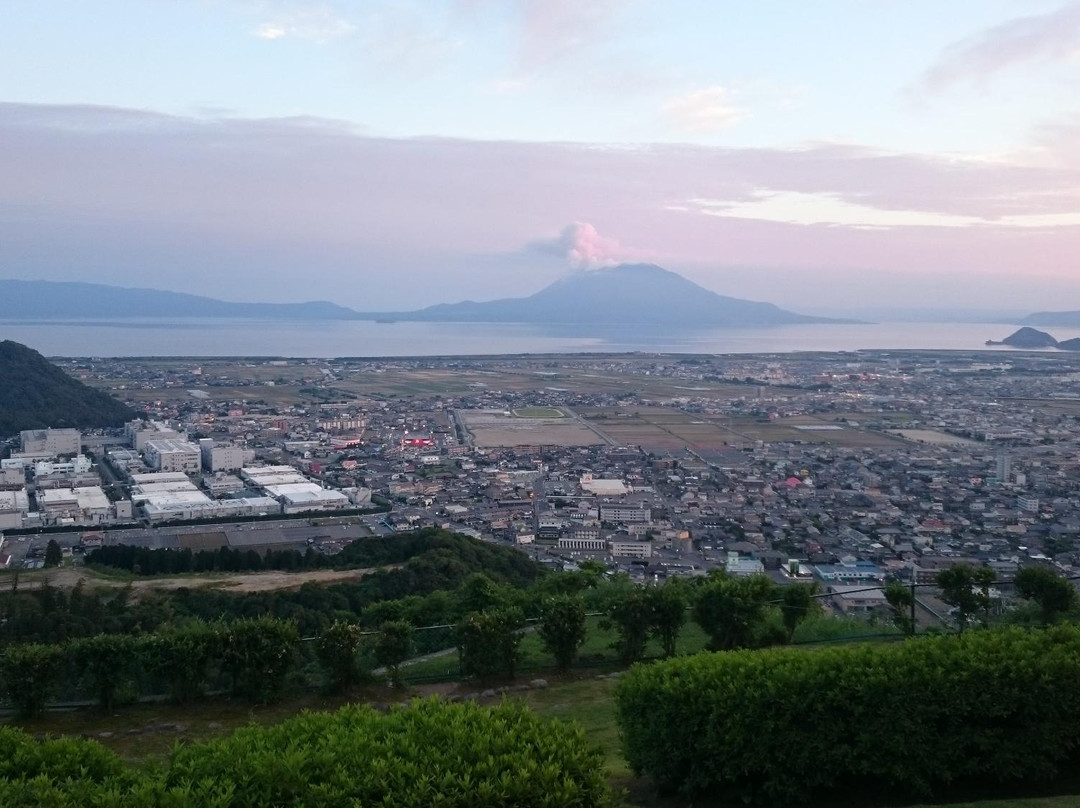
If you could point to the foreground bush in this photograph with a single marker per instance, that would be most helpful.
(779, 726)
(432, 753)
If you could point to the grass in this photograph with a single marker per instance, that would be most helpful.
(539, 412)
(597, 652)
(137, 734)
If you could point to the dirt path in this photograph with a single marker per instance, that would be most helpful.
(239, 582)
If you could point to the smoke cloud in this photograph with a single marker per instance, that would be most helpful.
(581, 246)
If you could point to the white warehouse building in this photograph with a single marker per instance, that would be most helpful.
(171, 454)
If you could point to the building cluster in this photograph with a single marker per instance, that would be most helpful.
(847, 469)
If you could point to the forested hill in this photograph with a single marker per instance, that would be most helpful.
(36, 394)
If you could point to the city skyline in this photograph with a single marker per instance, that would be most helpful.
(362, 152)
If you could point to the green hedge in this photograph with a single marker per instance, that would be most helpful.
(783, 725)
(431, 753)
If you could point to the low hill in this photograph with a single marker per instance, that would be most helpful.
(1027, 338)
(52, 300)
(1066, 319)
(36, 394)
(643, 294)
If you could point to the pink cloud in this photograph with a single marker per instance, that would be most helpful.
(581, 246)
(1054, 35)
(280, 202)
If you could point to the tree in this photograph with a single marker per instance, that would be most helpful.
(336, 649)
(392, 647)
(181, 654)
(900, 600)
(731, 609)
(29, 674)
(258, 653)
(105, 662)
(632, 617)
(668, 606)
(54, 556)
(967, 590)
(562, 628)
(488, 642)
(1053, 594)
(796, 602)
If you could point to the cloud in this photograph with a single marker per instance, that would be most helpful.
(706, 110)
(218, 205)
(315, 22)
(1054, 35)
(581, 246)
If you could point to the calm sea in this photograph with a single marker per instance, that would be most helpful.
(329, 339)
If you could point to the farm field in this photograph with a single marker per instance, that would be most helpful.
(302, 381)
(494, 428)
(666, 429)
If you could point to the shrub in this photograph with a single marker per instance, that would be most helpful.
(778, 726)
(29, 674)
(336, 649)
(562, 628)
(431, 753)
(258, 653)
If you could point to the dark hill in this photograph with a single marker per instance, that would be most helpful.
(1028, 338)
(36, 394)
(627, 294)
(52, 300)
(1070, 344)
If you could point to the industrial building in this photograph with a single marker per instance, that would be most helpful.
(168, 496)
(140, 432)
(224, 458)
(79, 505)
(52, 442)
(293, 490)
(171, 454)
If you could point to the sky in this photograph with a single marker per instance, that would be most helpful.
(833, 155)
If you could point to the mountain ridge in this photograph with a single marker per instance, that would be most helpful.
(644, 294)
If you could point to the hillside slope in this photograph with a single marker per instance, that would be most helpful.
(36, 394)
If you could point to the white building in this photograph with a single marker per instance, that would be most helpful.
(571, 543)
(631, 549)
(140, 432)
(293, 490)
(51, 441)
(625, 514)
(80, 464)
(14, 505)
(87, 504)
(224, 458)
(736, 565)
(171, 454)
(1028, 504)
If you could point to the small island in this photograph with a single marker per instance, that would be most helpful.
(1027, 338)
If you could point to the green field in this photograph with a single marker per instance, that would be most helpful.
(539, 412)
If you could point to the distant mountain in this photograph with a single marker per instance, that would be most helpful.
(1065, 319)
(53, 300)
(642, 294)
(36, 394)
(629, 294)
(1028, 338)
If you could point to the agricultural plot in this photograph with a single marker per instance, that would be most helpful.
(497, 428)
(665, 429)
